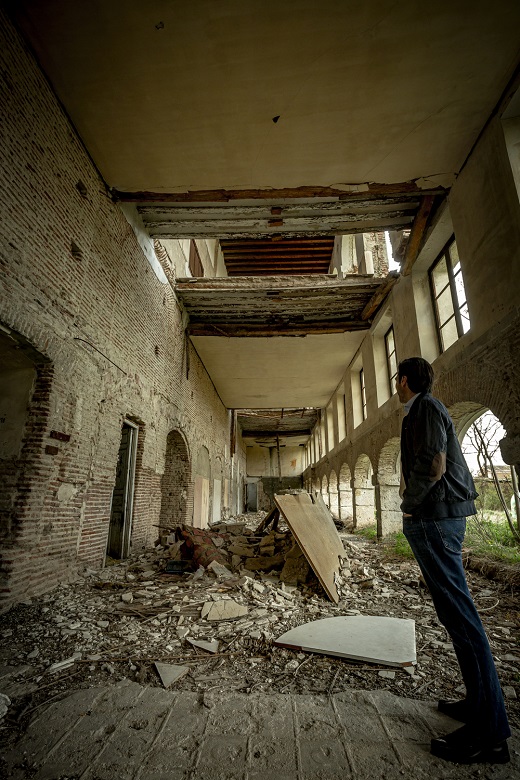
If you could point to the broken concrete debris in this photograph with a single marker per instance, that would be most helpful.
(223, 610)
(219, 570)
(170, 673)
(59, 666)
(5, 703)
(380, 640)
(209, 647)
(164, 624)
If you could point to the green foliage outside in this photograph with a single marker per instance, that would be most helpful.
(488, 500)
(488, 532)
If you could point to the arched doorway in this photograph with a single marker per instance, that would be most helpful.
(497, 483)
(176, 493)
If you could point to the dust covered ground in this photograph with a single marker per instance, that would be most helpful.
(115, 623)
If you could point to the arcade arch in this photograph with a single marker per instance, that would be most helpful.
(364, 509)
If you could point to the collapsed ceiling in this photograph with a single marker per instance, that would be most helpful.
(273, 342)
(276, 123)
(272, 427)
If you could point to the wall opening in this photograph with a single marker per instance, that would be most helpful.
(325, 491)
(201, 496)
(17, 379)
(364, 509)
(346, 511)
(121, 512)
(175, 483)
(333, 495)
(388, 500)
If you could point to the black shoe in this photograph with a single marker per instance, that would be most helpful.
(458, 710)
(461, 747)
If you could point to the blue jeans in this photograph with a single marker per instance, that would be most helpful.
(437, 546)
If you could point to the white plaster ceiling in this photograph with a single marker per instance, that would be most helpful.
(170, 95)
(266, 373)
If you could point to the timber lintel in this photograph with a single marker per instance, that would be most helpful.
(261, 330)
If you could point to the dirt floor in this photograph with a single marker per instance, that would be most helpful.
(116, 622)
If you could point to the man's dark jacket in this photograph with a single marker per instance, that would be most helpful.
(438, 481)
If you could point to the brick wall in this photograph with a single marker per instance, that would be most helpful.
(76, 285)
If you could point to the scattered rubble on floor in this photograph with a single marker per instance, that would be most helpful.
(5, 702)
(84, 634)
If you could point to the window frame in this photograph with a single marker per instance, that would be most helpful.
(391, 377)
(362, 387)
(445, 255)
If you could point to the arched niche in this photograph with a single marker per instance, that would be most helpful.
(176, 484)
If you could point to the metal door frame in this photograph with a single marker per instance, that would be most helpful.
(128, 505)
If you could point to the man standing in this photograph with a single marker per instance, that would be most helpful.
(439, 494)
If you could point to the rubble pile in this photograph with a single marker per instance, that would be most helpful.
(220, 620)
(238, 546)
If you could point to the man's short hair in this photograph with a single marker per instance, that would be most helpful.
(418, 372)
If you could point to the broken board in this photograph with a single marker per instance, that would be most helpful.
(379, 640)
(314, 530)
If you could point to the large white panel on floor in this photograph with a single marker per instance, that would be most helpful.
(380, 640)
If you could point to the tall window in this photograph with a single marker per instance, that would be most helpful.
(363, 394)
(195, 263)
(391, 358)
(449, 296)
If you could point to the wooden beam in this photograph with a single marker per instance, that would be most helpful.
(253, 262)
(169, 230)
(417, 234)
(261, 330)
(275, 252)
(229, 243)
(363, 191)
(271, 434)
(379, 296)
(250, 269)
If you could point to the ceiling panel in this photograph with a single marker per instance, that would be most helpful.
(179, 96)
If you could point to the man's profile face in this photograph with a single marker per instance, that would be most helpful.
(400, 385)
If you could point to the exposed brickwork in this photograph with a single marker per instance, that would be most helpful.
(176, 481)
(75, 283)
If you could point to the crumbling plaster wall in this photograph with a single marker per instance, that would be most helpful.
(482, 369)
(76, 284)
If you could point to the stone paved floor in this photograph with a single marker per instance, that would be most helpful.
(130, 731)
